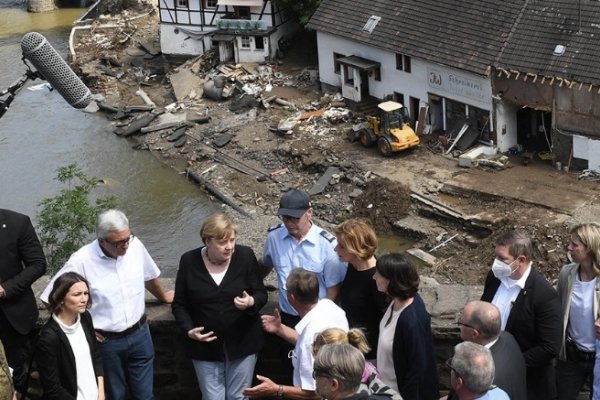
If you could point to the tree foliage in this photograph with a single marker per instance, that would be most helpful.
(301, 10)
(67, 220)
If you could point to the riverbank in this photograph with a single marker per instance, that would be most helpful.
(278, 131)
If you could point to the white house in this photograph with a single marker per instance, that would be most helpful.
(242, 30)
(461, 58)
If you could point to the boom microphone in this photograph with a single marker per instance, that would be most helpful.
(55, 70)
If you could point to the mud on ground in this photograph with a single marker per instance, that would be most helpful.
(256, 165)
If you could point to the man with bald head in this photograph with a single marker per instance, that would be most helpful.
(480, 323)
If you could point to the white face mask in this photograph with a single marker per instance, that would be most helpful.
(502, 269)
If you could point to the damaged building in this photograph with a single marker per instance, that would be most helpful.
(524, 75)
(240, 30)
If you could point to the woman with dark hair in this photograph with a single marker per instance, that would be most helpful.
(66, 354)
(405, 357)
(218, 296)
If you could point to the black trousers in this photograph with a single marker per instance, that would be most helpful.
(17, 348)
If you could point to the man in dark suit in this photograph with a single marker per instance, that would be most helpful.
(529, 309)
(480, 323)
(22, 262)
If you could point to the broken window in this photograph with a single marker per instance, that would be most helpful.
(336, 64)
(245, 41)
(371, 24)
(403, 62)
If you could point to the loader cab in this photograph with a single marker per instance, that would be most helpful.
(392, 115)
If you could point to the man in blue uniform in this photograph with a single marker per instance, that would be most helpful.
(299, 243)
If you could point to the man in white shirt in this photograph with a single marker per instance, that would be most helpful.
(530, 310)
(316, 316)
(118, 268)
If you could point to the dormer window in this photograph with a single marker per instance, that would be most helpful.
(371, 24)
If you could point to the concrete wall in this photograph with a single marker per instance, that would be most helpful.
(40, 5)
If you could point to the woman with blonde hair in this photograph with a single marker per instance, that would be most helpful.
(578, 288)
(359, 298)
(370, 381)
(218, 296)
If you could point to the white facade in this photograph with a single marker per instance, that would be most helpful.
(242, 30)
(425, 82)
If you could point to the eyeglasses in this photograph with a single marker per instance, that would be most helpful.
(466, 325)
(316, 375)
(121, 243)
(287, 218)
(449, 365)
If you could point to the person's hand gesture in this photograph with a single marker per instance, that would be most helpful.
(266, 388)
(196, 334)
(244, 301)
(271, 323)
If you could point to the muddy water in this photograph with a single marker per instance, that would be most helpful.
(41, 132)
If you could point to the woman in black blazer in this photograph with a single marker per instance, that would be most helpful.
(218, 296)
(67, 356)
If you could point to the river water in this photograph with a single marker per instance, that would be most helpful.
(41, 132)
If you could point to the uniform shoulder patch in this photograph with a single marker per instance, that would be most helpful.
(330, 238)
(272, 228)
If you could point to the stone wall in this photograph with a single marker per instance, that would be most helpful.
(41, 5)
(174, 376)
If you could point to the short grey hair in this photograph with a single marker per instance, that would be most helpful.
(110, 221)
(475, 365)
(343, 362)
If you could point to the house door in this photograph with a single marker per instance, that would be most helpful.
(363, 93)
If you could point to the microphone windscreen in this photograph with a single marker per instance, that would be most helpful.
(55, 70)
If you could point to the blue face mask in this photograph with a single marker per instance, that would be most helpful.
(501, 269)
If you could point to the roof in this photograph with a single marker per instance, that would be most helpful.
(465, 34)
(515, 36)
(546, 24)
(388, 106)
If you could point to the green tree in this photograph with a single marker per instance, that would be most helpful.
(301, 10)
(67, 220)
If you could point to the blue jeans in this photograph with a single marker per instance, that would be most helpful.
(226, 380)
(128, 361)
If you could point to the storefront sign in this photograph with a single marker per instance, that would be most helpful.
(457, 85)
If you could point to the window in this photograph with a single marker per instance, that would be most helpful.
(399, 98)
(181, 3)
(259, 44)
(336, 64)
(210, 3)
(371, 24)
(245, 41)
(242, 12)
(403, 62)
(377, 74)
(348, 75)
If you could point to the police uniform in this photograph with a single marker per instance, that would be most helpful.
(315, 253)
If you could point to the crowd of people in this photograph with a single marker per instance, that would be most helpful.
(348, 325)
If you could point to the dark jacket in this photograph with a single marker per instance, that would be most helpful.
(200, 302)
(535, 323)
(510, 367)
(56, 363)
(414, 359)
(22, 262)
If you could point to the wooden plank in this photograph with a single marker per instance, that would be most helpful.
(423, 256)
(421, 120)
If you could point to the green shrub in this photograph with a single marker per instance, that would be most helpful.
(68, 220)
